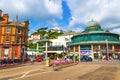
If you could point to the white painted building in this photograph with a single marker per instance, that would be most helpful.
(61, 40)
(35, 38)
(56, 29)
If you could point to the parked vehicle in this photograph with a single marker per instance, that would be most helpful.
(86, 59)
(39, 59)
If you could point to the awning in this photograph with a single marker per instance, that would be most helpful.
(73, 54)
(70, 54)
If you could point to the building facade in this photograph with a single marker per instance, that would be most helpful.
(13, 38)
(35, 37)
(95, 42)
(54, 46)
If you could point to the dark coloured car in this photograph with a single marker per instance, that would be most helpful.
(86, 59)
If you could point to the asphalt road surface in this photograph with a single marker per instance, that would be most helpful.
(82, 71)
(69, 73)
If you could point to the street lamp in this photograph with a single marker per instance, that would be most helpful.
(46, 56)
(37, 47)
(107, 49)
(46, 49)
(97, 54)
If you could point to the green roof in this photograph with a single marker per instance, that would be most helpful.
(95, 42)
(94, 32)
(31, 49)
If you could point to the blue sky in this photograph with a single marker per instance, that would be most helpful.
(67, 14)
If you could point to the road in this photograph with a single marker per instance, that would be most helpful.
(76, 72)
(69, 73)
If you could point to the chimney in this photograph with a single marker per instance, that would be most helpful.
(1, 13)
(26, 23)
(6, 18)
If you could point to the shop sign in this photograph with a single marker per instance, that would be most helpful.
(117, 50)
(85, 52)
(76, 50)
(71, 50)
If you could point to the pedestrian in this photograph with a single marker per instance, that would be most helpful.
(32, 61)
(65, 57)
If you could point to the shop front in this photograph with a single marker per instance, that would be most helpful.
(74, 56)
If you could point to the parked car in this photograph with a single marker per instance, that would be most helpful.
(86, 59)
(39, 59)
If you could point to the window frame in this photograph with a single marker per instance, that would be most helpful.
(8, 30)
(6, 52)
(7, 39)
(18, 40)
(19, 30)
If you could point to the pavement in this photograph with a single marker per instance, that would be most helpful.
(37, 67)
(68, 73)
(22, 70)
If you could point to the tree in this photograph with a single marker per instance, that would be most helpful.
(52, 35)
(32, 45)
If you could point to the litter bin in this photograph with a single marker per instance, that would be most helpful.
(47, 61)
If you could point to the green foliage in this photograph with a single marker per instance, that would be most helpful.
(52, 35)
(32, 45)
(56, 55)
(42, 32)
(51, 56)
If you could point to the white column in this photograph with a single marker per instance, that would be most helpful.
(92, 52)
(74, 54)
(37, 48)
(107, 48)
(46, 48)
(79, 52)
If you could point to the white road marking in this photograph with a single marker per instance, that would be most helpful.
(24, 74)
(29, 75)
(21, 76)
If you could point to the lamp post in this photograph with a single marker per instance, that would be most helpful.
(46, 49)
(97, 54)
(107, 49)
(46, 55)
(37, 48)
(69, 37)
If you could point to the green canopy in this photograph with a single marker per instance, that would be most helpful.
(31, 49)
(75, 54)
(70, 54)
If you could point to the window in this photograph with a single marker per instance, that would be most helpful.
(95, 47)
(18, 39)
(19, 30)
(8, 30)
(7, 38)
(103, 46)
(6, 52)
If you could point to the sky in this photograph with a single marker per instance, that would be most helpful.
(67, 14)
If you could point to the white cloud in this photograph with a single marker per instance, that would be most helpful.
(106, 12)
(36, 9)
(116, 30)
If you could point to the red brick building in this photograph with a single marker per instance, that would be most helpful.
(13, 38)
